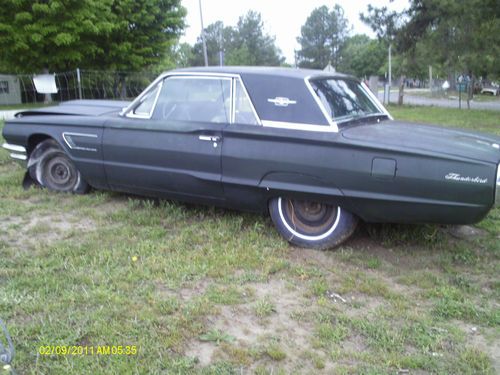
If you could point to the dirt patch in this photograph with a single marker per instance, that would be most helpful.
(185, 293)
(26, 232)
(484, 339)
(464, 232)
(252, 337)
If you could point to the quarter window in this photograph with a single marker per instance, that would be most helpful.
(243, 112)
(147, 103)
(197, 99)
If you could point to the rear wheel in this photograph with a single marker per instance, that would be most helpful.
(311, 224)
(52, 168)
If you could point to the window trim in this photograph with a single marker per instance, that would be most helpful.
(364, 88)
(129, 110)
(131, 113)
(233, 119)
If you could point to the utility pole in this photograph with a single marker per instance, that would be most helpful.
(203, 36)
(430, 79)
(221, 47)
(390, 73)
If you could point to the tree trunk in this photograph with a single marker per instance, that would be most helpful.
(470, 90)
(401, 89)
(47, 97)
(123, 93)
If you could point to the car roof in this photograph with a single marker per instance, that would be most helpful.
(264, 71)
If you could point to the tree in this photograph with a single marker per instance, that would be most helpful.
(245, 44)
(322, 38)
(183, 55)
(144, 33)
(251, 46)
(362, 56)
(462, 35)
(386, 25)
(37, 35)
(218, 38)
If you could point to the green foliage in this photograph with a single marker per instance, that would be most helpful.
(60, 35)
(216, 336)
(264, 307)
(245, 44)
(362, 56)
(323, 37)
(275, 352)
(144, 32)
(450, 35)
(460, 34)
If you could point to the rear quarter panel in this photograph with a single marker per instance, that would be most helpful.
(259, 163)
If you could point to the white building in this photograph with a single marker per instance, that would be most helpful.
(10, 90)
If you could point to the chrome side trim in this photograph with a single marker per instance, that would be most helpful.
(11, 147)
(18, 153)
(497, 187)
(71, 144)
(18, 156)
(328, 118)
(299, 126)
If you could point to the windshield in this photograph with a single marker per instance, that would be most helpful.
(344, 99)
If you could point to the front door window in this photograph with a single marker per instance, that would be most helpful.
(194, 99)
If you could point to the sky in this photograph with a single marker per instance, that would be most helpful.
(282, 18)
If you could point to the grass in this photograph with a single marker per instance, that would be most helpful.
(209, 291)
(473, 119)
(453, 95)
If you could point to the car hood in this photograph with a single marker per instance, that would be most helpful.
(419, 137)
(78, 108)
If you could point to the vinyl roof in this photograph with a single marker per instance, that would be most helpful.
(260, 70)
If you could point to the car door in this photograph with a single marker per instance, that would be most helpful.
(170, 143)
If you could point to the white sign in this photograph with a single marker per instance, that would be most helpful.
(45, 84)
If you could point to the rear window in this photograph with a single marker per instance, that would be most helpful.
(344, 99)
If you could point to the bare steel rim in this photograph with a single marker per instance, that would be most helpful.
(310, 221)
(59, 173)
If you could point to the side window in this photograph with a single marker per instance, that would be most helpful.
(243, 112)
(144, 108)
(4, 87)
(197, 99)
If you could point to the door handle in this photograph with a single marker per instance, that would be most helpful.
(209, 138)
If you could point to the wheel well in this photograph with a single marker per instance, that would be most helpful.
(35, 139)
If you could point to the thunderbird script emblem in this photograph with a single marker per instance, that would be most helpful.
(457, 177)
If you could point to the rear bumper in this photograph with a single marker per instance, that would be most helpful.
(18, 153)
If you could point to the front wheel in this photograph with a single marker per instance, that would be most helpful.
(311, 224)
(52, 168)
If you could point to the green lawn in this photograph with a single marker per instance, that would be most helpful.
(454, 95)
(205, 290)
(474, 119)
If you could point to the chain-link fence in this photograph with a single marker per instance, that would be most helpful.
(77, 84)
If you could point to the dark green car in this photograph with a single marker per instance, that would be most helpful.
(316, 150)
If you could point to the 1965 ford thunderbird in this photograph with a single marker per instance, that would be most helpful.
(316, 150)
